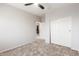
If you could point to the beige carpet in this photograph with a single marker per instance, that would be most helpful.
(40, 48)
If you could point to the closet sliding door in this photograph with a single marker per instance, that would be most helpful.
(61, 31)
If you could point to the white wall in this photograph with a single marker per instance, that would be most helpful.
(16, 27)
(65, 12)
(75, 30)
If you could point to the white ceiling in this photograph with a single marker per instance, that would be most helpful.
(35, 10)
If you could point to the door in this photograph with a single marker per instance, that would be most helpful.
(61, 31)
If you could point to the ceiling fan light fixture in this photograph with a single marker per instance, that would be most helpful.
(35, 4)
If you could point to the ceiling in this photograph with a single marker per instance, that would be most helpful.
(35, 10)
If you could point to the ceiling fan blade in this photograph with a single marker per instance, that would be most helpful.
(41, 6)
(28, 4)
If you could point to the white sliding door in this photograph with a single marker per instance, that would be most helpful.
(61, 31)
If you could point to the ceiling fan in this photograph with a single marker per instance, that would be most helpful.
(39, 5)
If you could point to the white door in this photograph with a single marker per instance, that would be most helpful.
(61, 31)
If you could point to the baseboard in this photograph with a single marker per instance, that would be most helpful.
(75, 49)
(15, 47)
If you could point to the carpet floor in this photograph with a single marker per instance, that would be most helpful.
(40, 48)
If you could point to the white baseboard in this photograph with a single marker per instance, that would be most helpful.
(75, 49)
(15, 47)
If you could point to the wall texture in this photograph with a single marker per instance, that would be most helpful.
(16, 27)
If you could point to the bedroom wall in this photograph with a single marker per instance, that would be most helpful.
(17, 27)
(75, 28)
